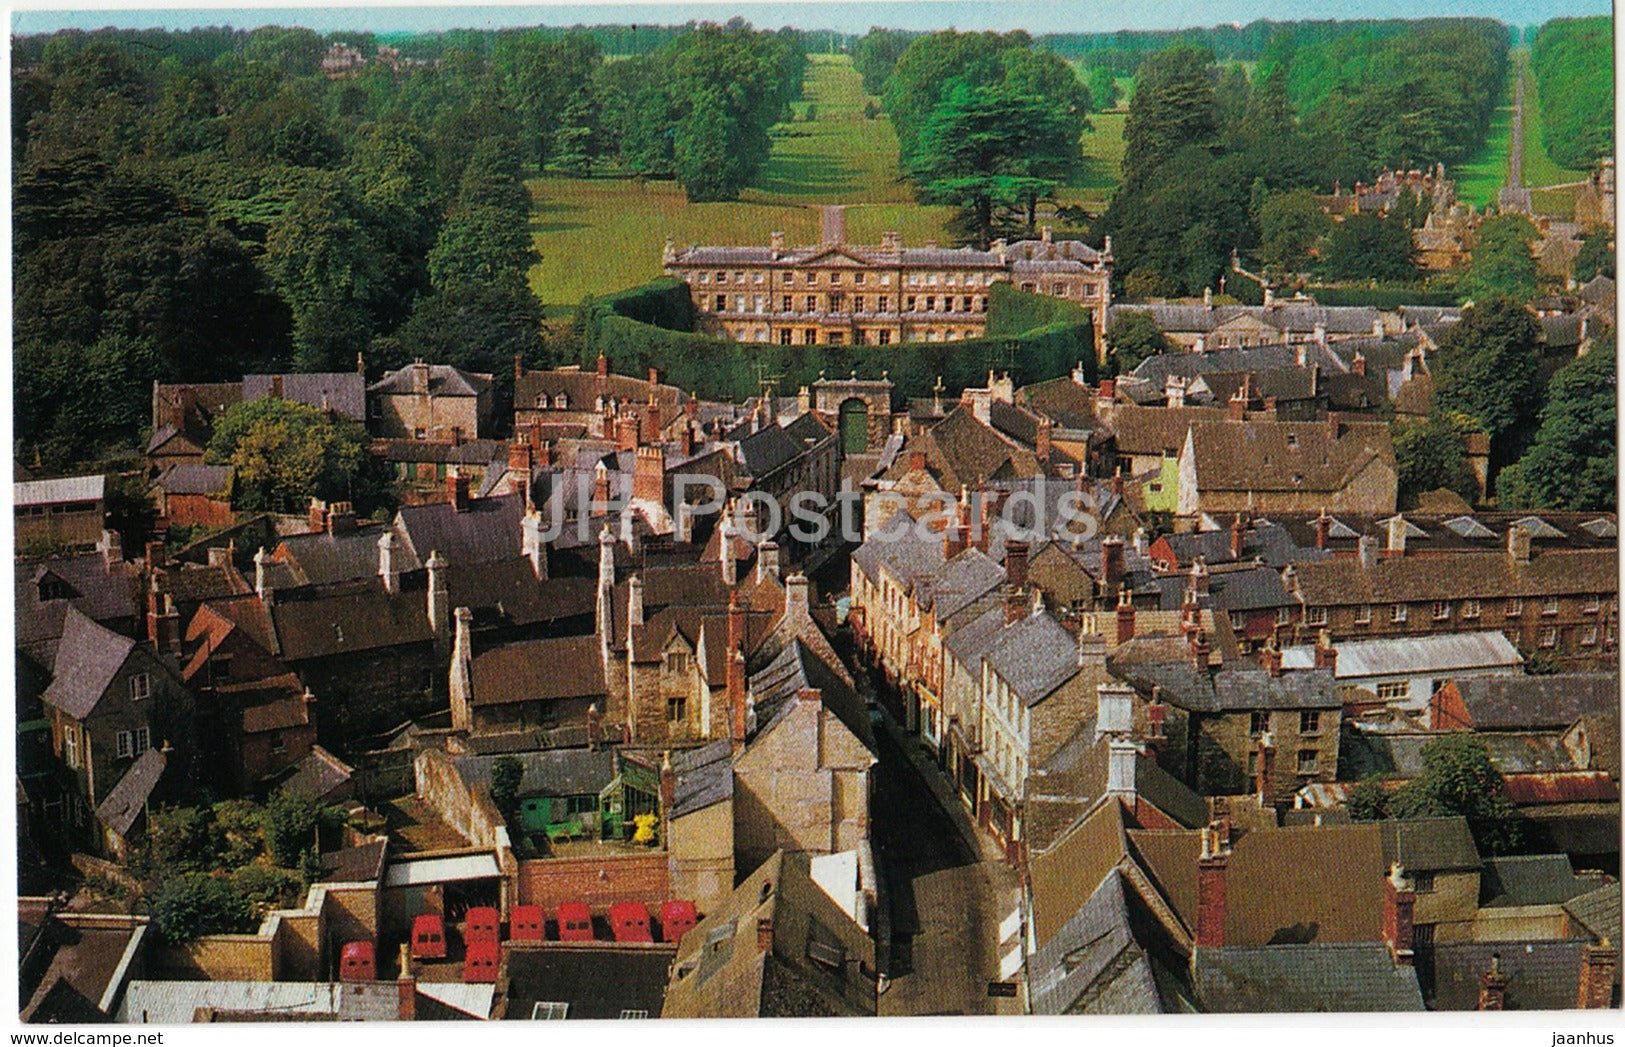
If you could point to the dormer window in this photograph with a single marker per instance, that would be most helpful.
(140, 687)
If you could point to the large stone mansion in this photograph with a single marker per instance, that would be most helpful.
(835, 293)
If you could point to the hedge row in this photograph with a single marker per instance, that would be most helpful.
(1380, 297)
(718, 368)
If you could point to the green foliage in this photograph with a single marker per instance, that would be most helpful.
(1503, 263)
(1488, 369)
(719, 368)
(181, 839)
(1292, 227)
(1430, 453)
(290, 824)
(1132, 337)
(1458, 778)
(1596, 257)
(1381, 297)
(1103, 90)
(193, 904)
(1367, 801)
(877, 54)
(1173, 107)
(480, 244)
(285, 453)
(505, 777)
(267, 887)
(1573, 60)
(1370, 247)
(1573, 460)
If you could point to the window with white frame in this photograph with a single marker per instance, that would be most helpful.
(1362, 614)
(1514, 607)
(1402, 612)
(1283, 616)
(1441, 610)
(1309, 721)
(1548, 637)
(140, 687)
(70, 745)
(1394, 690)
(544, 1010)
(1315, 616)
(1471, 609)
(1308, 761)
(1592, 605)
(1588, 636)
(1548, 606)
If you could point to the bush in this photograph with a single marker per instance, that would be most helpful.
(267, 887)
(194, 904)
(1380, 297)
(290, 824)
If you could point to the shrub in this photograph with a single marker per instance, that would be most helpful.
(194, 904)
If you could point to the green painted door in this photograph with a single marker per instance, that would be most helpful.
(854, 427)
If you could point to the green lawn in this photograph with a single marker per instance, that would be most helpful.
(1479, 179)
(1102, 160)
(598, 235)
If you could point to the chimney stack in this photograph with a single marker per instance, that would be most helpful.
(736, 668)
(262, 576)
(953, 541)
(1597, 966)
(1111, 557)
(725, 550)
(668, 786)
(1270, 656)
(764, 934)
(634, 601)
(1368, 551)
(1323, 531)
(1114, 710)
(1015, 564)
(1199, 577)
(767, 561)
(1396, 534)
(531, 545)
(649, 474)
(1325, 653)
(1264, 773)
(1518, 539)
(1238, 537)
(1492, 986)
(1041, 441)
(388, 569)
(1398, 912)
(406, 989)
(797, 607)
(603, 366)
(1125, 616)
(315, 517)
(1120, 757)
(439, 594)
(457, 490)
(460, 687)
(595, 728)
(1211, 892)
(1015, 605)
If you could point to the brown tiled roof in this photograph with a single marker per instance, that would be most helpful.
(1467, 575)
(351, 617)
(1286, 456)
(281, 713)
(539, 670)
(582, 389)
(1284, 886)
(1064, 876)
(1156, 430)
(961, 451)
(1067, 403)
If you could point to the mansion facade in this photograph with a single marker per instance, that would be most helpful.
(842, 294)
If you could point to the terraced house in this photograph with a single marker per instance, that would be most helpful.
(835, 293)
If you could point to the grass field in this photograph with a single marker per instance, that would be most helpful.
(598, 235)
(1538, 166)
(1102, 160)
(1479, 179)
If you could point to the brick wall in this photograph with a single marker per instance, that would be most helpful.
(220, 957)
(598, 881)
(195, 509)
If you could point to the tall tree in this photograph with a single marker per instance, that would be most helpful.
(1488, 369)
(1503, 263)
(1573, 461)
(1370, 247)
(285, 453)
(1173, 107)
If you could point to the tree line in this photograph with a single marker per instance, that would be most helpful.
(194, 206)
(1573, 61)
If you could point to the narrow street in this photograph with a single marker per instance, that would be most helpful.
(945, 899)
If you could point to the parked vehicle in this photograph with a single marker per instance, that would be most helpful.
(358, 962)
(429, 937)
(484, 925)
(481, 961)
(677, 918)
(629, 922)
(575, 922)
(527, 923)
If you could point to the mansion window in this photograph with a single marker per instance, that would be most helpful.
(964, 304)
(812, 279)
(911, 302)
(1402, 612)
(1029, 287)
(722, 278)
(739, 278)
(1315, 616)
(1471, 609)
(857, 303)
(789, 303)
(1309, 721)
(812, 303)
(756, 278)
(837, 338)
(857, 278)
(885, 303)
(1441, 610)
(885, 338)
(1548, 637)
(1593, 604)
(722, 304)
(930, 303)
(140, 687)
(785, 336)
(1548, 605)
(1515, 607)
(809, 336)
(860, 337)
(1394, 690)
(1308, 761)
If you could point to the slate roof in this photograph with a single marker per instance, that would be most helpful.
(768, 450)
(1597, 911)
(1429, 844)
(343, 392)
(538, 670)
(102, 595)
(318, 773)
(1230, 689)
(485, 454)
(1297, 318)
(776, 688)
(1093, 964)
(444, 380)
(1534, 879)
(129, 797)
(596, 984)
(1274, 543)
(196, 479)
(63, 489)
(362, 863)
(486, 531)
(705, 777)
(322, 558)
(970, 641)
(1342, 976)
(1068, 404)
(87, 659)
(1034, 656)
(549, 772)
(349, 617)
(961, 450)
(1521, 702)
(1413, 655)
(1541, 975)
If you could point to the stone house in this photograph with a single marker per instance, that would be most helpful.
(64, 513)
(432, 402)
(1239, 465)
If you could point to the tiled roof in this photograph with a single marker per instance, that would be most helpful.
(129, 797)
(87, 659)
(1535, 879)
(343, 392)
(349, 617)
(322, 558)
(538, 670)
(1284, 886)
(486, 531)
(1061, 875)
(1520, 702)
(1076, 971)
(444, 380)
(775, 688)
(1467, 575)
(85, 583)
(1597, 911)
(319, 773)
(1342, 976)
(1229, 689)
(196, 479)
(1541, 975)
(768, 450)
(1034, 656)
(1429, 844)
(1286, 456)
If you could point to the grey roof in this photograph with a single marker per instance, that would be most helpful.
(1367, 750)
(768, 450)
(129, 797)
(775, 687)
(322, 558)
(487, 530)
(63, 489)
(1598, 911)
(1342, 976)
(1533, 879)
(1521, 702)
(910, 556)
(87, 659)
(1292, 317)
(195, 479)
(1093, 964)
(549, 772)
(86, 584)
(705, 777)
(318, 621)
(1541, 975)
(1429, 844)
(594, 983)
(318, 773)
(960, 582)
(444, 380)
(1414, 655)
(1034, 657)
(1230, 689)
(343, 392)
(970, 641)
(1263, 539)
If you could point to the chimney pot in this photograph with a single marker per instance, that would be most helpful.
(1015, 564)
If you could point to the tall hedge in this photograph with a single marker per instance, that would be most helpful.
(1034, 337)
(1573, 60)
